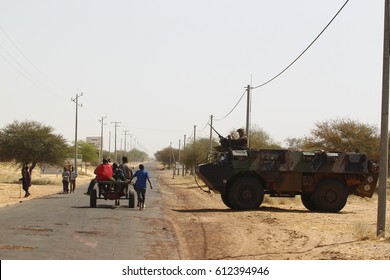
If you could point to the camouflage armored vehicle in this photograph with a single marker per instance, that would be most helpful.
(322, 179)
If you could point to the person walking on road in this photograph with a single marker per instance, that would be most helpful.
(140, 185)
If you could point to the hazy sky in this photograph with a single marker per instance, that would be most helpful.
(161, 67)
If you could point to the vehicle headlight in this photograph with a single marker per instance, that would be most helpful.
(367, 188)
(370, 179)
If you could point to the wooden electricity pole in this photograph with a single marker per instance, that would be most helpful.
(76, 100)
(383, 164)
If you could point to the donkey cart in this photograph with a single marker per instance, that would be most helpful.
(112, 190)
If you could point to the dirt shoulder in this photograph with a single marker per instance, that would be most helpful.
(281, 229)
(13, 194)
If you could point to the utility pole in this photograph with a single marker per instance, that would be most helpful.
(211, 135)
(76, 100)
(116, 156)
(101, 139)
(170, 154)
(383, 166)
(126, 132)
(248, 114)
(179, 149)
(194, 133)
(130, 147)
(109, 143)
(184, 147)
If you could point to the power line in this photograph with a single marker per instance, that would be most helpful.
(323, 30)
(233, 107)
(22, 68)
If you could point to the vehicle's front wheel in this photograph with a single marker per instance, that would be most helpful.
(246, 193)
(225, 199)
(307, 201)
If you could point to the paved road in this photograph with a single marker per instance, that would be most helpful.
(63, 227)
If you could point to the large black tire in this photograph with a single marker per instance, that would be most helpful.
(225, 199)
(330, 196)
(93, 198)
(131, 195)
(246, 193)
(307, 201)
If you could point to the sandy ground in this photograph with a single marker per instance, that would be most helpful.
(13, 193)
(281, 229)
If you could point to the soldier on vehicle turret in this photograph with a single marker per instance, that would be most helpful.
(234, 143)
(241, 141)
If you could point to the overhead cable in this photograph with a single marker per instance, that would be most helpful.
(323, 30)
(233, 107)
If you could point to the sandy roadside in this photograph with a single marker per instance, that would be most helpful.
(11, 194)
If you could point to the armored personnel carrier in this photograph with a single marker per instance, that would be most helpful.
(324, 180)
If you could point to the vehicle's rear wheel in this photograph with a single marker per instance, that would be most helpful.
(246, 193)
(330, 196)
(93, 198)
(307, 201)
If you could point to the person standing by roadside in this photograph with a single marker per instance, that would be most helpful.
(140, 185)
(65, 180)
(26, 180)
(72, 180)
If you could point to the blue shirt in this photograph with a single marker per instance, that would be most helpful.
(142, 176)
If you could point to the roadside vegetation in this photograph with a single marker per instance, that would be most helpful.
(331, 135)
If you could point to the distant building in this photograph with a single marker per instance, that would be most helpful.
(97, 141)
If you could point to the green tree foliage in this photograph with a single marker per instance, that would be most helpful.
(345, 135)
(196, 152)
(296, 143)
(167, 156)
(260, 139)
(137, 155)
(89, 152)
(31, 143)
(133, 155)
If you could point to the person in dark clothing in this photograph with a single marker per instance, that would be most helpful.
(119, 176)
(26, 180)
(233, 143)
(140, 185)
(65, 180)
(127, 171)
(241, 141)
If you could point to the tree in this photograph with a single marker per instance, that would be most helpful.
(260, 139)
(31, 143)
(137, 155)
(89, 152)
(197, 152)
(167, 156)
(345, 135)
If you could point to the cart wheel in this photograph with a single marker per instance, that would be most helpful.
(131, 198)
(93, 198)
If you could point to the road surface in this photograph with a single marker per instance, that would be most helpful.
(64, 227)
